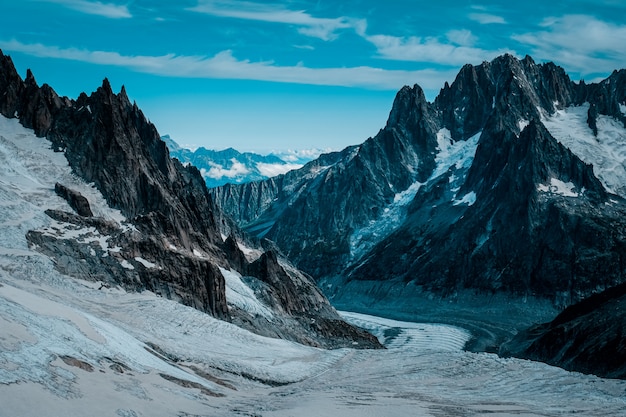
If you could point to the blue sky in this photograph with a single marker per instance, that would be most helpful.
(293, 74)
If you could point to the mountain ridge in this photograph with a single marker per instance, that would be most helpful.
(170, 241)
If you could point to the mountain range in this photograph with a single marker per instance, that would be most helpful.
(496, 207)
(231, 166)
(510, 186)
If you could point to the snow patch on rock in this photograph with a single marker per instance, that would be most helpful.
(556, 186)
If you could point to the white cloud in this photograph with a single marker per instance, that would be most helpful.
(98, 8)
(272, 170)
(462, 37)
(301, 155)
(486, 18)
(322, 28)
(225, 66)
(431, 50)
(218, 171)
(578, 42)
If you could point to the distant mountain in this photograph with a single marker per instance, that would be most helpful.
(111, 207)
(230, 166)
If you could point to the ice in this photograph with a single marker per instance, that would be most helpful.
(450, 154)
(607, 151)
(566, 189)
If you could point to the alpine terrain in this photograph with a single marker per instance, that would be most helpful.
(125, 291)
(229, 165)
(495, 206)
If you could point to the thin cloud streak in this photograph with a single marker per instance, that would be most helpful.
(487, 19)
(322, 28)
(225, 66)
(431, 50)
(110, 10)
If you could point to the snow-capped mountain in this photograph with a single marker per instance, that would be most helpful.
(510, 186)
(231, 166)
(511, 148)
(145, 222)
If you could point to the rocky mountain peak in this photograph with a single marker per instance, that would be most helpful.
(466, 192)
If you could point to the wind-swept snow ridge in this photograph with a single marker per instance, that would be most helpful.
(457, 155)
(606, 152)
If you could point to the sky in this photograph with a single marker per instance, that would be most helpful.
(293, 74)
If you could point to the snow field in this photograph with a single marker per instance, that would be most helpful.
(607, 151)
(566, 189)
(242, 296)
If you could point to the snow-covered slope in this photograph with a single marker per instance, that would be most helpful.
(606, 151)
(69, 348)
(449, 154)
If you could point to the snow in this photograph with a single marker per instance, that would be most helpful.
(622, 108)
(243, 297)
(145, 263)
(522, 124)
(607, 151)
(556, 186)
(127, 265)
(250, 254)
(469, 199)
(450, 154)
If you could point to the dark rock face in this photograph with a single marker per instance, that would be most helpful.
(75, 199)
(588, 337)
(171, 242)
